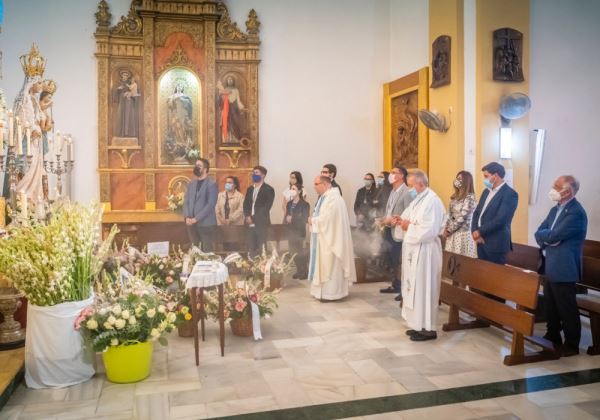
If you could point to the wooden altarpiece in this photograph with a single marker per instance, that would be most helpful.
(176, 80)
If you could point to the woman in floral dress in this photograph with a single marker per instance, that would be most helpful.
(458, 226)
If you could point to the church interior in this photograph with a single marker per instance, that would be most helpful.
(276, 209)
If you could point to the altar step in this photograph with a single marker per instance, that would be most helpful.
(12, 370)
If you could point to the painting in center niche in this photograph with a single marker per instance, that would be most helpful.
(405, 130)
(179, 111)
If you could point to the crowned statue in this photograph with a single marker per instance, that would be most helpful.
(27, 108)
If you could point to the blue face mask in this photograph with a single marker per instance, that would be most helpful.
(488, 184)
(256, 178)
(413, 193)
(228, 186)
(379, 182)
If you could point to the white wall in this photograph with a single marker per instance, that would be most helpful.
(409, 36)
(564, 88)
(321, 76)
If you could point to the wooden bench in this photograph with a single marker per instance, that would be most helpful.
(509, 283)
(589, 303)
(527, 257)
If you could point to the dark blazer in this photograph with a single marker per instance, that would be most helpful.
(496, 220)
(563, 245)
(336, 185)
(381, 199)
(200, 204)
(262, 207)
(297, 227)
(360, 207)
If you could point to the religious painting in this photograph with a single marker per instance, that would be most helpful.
(508, 55)
(179, 109)
(440, 61)
(231, 115)
(126, 99)
(405, 137)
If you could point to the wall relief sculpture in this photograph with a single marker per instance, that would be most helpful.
(440, 63)
(508, 55)
(405, 129)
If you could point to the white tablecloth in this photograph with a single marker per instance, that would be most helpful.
(207, 274)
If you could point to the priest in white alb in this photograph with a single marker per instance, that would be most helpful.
(421, 224)
(331, 269)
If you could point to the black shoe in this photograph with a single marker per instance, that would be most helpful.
(398, 298)
(410, 333)
(424, 336)
(556, 342)
(567, 351)
(389, 290)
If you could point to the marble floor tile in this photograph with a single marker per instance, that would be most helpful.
(115, 398)
(566, 412)
(562, 396)
(11, 412)
(89, 390)
(59, 410)
(151, 406)
(188, 412)
(370, 372)
(25, 396)
(245, 405)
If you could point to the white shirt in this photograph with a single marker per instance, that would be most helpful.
(254, 195)
(491, 195)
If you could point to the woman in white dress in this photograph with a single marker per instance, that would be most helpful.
(458, 226)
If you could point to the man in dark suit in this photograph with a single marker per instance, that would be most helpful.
(560, 237)
(257, 206)
(492, 217)
(330, 170)
(199, 207)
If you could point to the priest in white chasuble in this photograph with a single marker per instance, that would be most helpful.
(331, 269)
(421, 223)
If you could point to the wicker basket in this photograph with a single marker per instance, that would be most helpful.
(242, 327)
(186, 329)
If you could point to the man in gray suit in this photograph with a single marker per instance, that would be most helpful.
(399, 200)
(199, 207)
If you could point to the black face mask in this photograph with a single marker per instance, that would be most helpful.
(197, 171)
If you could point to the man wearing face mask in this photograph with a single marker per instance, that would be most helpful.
(364, 208)
(199, 207)
(493, 215)
(257, 207)
(422, 222)
(398, 201)
(560, 237)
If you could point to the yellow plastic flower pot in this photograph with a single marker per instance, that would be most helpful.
(127, 364)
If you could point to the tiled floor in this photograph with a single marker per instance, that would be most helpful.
(315, 353)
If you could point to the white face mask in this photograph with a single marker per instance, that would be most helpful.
(293, 193)
(554, 195)
(457, 183)
(392, 178)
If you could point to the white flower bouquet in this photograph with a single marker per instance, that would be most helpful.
(128, 315)
(58, 260)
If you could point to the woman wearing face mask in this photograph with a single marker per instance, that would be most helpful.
(364, 209)
(458, 226)
(230, 203)
(296, 217)
(295, 179)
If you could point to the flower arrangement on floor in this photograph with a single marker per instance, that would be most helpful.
(237, 302)
(56, 261)
(123, 324)
(125, 315)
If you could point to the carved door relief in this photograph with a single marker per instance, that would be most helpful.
(177, 80)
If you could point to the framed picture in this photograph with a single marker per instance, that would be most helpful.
(406, 139)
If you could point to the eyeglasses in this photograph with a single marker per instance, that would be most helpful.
(324, 172)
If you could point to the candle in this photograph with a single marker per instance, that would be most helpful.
(1, 138)
(58, 144)
(28, 135)
(10, 128)
(70, 149)
(19, 137)
(23, 200)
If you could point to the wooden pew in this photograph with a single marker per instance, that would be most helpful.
(589, 304)
(504, 282)
(591, 248)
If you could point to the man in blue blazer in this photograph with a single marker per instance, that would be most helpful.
(199, 207)
(560, 237)
(494, 213)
